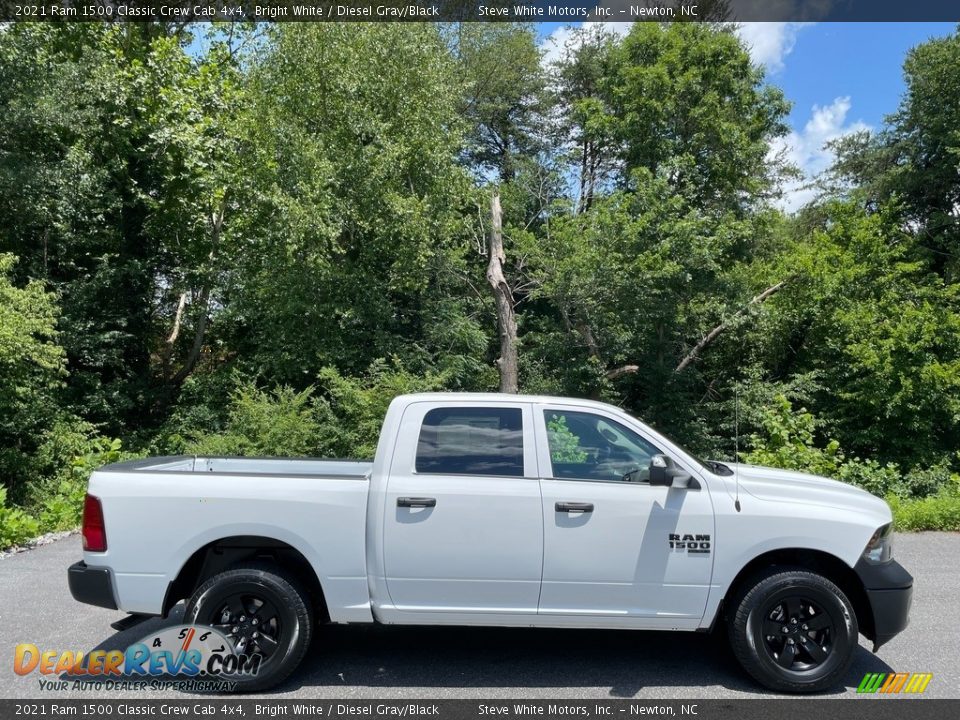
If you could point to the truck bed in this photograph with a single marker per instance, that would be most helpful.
(317, 507)
(272, 467)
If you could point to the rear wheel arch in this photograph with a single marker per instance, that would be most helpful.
(822, 563)
(223, 553)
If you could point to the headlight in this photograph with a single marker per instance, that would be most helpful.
(880, 547)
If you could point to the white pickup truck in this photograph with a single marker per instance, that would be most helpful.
(508, 510)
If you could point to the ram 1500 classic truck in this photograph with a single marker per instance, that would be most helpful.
(507, 510)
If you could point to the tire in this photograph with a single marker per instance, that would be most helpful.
(287, 625)
(793, 630)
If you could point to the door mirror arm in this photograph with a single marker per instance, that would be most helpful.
(664, 472)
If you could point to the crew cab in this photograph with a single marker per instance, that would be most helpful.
(506, 510)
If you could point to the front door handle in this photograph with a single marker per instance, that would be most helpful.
(413, 502)
(574, 507)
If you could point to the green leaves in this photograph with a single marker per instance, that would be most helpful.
(564, 445)
(16, 526)
(787, 440)
(688, 106)
(338, 417)
(356, 228)
(250, 245)
(32, 370)
(280, 422)
(504, 94)
(883, 333)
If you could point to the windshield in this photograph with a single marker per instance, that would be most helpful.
(713, 466)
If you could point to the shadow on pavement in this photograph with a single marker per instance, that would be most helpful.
(626, 662)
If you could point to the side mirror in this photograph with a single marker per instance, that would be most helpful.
(664, 472)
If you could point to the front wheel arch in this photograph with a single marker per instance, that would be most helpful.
(816, 561)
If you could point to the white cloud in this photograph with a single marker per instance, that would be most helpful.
(806, 149)
(770, 42)
(555, 45)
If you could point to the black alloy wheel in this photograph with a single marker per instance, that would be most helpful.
(263, 610)
(250, 620)
(792, 629)
(798, 634)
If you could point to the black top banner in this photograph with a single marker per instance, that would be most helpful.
(481, 10)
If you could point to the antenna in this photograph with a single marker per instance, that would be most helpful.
(736, 444)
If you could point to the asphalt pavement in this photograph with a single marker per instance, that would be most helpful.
(354, 662)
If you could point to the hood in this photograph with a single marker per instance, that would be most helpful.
(791, 486)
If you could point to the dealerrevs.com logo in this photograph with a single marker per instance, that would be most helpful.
(185, 656)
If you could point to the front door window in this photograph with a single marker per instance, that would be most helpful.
(585, 446)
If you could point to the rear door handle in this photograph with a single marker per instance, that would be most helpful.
(413, 502)
(574, 507)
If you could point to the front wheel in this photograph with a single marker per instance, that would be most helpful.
(262, 610)
(793, 630)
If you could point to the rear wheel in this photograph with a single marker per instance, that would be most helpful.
(793, 630)
(262, 610)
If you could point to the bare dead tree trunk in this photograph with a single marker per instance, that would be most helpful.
(171, 341)
(715, 333)
(616, 372)
(586, 332)
(202, 302)
(177, 320)
(503, 297)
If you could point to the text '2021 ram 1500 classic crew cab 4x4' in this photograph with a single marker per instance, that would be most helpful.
(504, 510)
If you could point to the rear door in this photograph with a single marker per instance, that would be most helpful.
(463, 526)
(608, 533)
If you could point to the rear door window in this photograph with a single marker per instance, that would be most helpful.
(471, 441)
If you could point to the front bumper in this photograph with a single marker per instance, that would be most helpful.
(91, 585)
(889, 590)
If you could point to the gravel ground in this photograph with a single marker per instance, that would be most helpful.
(37, 542)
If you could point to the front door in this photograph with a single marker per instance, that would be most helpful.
(608, 532)
(463, 528)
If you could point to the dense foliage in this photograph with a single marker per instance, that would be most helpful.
(211, 245)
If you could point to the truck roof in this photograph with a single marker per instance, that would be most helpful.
(502, 397)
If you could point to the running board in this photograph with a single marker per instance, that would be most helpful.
(129, 621)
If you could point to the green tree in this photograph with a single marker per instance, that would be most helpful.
(688, 106)
(355, 246)
(120, 140)
(32, 371)
(881, 332)
(914, 163)
(585, 126)
(504, 94)
(666, 243)
(926, 133)
(279, 422)
(564, 444)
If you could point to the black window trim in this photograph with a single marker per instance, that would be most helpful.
(597, 480)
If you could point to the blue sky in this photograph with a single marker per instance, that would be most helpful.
(860, 60)
(840, 77)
